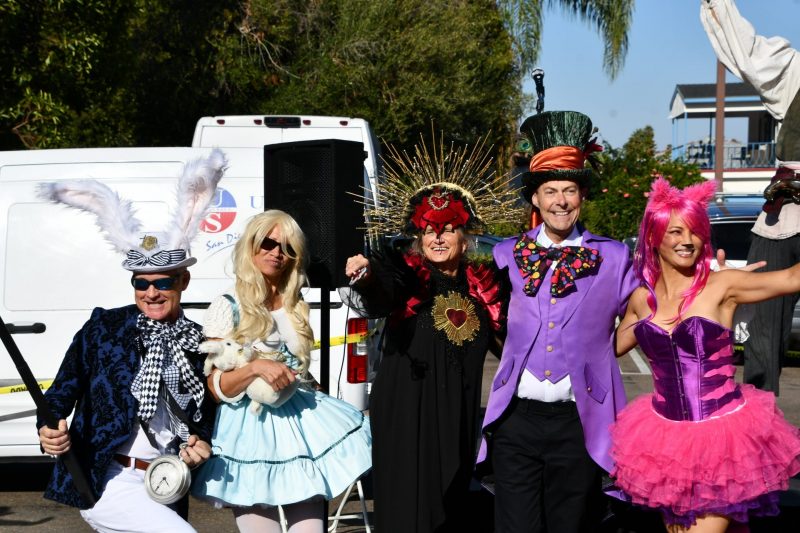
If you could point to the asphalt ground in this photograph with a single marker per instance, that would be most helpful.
(22, 508)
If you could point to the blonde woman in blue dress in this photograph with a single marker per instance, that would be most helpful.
(310, 448)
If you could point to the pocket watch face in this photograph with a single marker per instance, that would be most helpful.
(167, 479)
(164, 477)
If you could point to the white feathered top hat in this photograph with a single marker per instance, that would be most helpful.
(154, 251)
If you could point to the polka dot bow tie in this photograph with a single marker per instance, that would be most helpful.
(533, 262)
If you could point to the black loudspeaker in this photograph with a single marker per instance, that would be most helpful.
(314, 181)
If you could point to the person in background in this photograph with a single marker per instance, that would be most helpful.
(772, 67)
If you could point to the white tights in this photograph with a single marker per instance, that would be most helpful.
(303, 517)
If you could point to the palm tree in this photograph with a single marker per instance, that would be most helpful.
(611, 18)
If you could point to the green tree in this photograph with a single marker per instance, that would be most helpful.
(411, 67)
(48, 54)
(96, 73)
(141, 72)
(611, 18)
(617, 197)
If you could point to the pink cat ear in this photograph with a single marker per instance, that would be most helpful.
(701, 192)
(662, 194)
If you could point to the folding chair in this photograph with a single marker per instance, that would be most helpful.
(339, 516)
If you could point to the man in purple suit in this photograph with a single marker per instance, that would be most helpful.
(558, 386)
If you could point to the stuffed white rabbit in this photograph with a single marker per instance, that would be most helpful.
(227, 354)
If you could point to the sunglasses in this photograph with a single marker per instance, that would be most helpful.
(269, 244)
(162, 284)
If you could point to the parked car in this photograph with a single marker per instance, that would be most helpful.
(732, 217)
(483, 244)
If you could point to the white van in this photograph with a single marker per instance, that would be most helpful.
(247, 131)
(56, 266)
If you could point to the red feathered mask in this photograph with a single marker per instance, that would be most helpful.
(437, 208)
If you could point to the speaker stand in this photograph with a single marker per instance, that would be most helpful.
(325, 337)
(325, 349)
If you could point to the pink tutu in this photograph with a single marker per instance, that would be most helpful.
(729, 465)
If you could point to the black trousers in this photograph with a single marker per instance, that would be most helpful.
(772, 321)
(545, 480)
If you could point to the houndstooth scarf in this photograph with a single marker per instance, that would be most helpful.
(160, 339)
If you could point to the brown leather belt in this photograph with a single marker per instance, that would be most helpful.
(124, 460)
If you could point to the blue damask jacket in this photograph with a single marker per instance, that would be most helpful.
(95, 380)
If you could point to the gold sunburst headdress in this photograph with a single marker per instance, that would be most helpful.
(457, 186)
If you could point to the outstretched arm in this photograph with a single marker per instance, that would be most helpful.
(750, 287)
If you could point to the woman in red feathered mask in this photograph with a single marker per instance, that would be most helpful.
(444, 313)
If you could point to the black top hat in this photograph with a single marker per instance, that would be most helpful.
(560, 142)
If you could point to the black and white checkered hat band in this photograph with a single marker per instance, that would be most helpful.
(164, 258)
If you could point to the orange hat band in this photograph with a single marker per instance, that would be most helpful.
(558, 158)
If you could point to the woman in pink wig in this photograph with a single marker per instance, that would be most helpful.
(702, 449)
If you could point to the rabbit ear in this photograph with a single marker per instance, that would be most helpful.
(114, 215)
(701, 192)
(210, 347)
(196, 188)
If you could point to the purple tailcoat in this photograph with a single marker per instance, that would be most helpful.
(587, 340)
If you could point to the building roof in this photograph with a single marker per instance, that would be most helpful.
(699, 100)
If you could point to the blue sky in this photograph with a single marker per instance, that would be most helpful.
(667, 46)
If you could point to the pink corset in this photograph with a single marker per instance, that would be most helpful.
(692, 367)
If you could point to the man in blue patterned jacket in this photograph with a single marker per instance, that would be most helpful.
(120, 424)
(134, 375)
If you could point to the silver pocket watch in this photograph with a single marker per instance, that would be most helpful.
(167, 479)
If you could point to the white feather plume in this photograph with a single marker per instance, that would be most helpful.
(196, 188)
(115, 216)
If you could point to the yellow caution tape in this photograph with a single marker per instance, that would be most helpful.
(335, 341)
(342, 339)
(44, 385)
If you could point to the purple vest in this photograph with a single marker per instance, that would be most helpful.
(586, 335)
(547, 359)
(693, 368)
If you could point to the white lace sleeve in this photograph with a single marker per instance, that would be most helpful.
(218, 320)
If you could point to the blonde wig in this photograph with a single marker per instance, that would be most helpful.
(255, 295)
